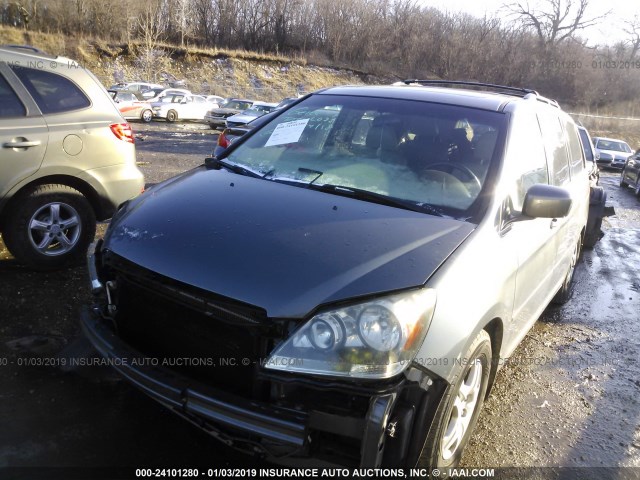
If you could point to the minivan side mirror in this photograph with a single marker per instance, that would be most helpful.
(546, 201)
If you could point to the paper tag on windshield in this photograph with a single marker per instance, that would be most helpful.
(288, 132)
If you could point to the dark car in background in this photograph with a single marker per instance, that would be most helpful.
(630, 175)
(258, 109)
(230, 134)
(217, 117)
(324, 281)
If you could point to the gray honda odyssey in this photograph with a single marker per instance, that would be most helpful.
(341, 284)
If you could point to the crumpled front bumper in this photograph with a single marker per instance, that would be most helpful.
(279, 434)
(191, 399)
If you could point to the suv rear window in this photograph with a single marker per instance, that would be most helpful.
(53, 93)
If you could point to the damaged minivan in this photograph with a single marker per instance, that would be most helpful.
(341, 285)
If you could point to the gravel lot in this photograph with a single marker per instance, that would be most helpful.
(569, 397)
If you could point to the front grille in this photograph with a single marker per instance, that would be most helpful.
(213, 340)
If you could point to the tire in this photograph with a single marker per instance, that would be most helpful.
(172, 116)
(636, 189)
(49, 227)
(623, 184)
(593, 231)
(445, 444)
(146, 116)
(566, 290)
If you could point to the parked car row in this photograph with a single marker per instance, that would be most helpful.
(144, 101)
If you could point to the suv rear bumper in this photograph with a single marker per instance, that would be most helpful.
(114, 185)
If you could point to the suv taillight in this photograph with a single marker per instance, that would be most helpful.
(123, 132)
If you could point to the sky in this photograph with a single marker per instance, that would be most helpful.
(608, 31)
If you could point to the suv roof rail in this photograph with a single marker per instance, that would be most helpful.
(546, 100)
(513, 90)
(29, 48)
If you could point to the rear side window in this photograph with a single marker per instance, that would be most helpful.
(52, 92)
(555, 145)
(586, 143)
(10, 104)
(576, 161)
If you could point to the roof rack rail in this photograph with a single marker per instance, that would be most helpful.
(514, 90)
(29, 48)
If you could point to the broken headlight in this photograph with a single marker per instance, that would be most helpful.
(374, 339)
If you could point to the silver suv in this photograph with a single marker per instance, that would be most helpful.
(373, 255)
(67, 157)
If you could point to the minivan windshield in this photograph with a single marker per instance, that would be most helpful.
(426, 156)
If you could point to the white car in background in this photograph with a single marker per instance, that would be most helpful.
(216, 99)
(159, 94)
(613, 152)
(182, 107)
(130, 107)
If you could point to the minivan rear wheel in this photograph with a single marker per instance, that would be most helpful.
(458, 412)
(49, 226)
(566, 290)
(623, 184)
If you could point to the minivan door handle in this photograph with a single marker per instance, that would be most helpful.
(24, 144)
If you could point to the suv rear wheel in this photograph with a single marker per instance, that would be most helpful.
(49, 226)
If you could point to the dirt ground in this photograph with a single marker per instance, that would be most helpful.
(569, 397)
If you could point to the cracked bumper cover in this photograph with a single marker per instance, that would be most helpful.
(239, 418)
(189, 398)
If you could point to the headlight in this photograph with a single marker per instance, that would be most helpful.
(375, 339)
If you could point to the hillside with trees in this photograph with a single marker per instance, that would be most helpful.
(540, 48)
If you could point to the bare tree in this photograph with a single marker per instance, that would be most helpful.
(633, 30)
(150, 31)
(554, 21)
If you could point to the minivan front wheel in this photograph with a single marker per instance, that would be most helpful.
(49, 226)
(458, 412)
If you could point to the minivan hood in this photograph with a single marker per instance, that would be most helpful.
(283, 248)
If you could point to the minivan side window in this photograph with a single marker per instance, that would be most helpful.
(576, 162)
(52, 93)
(555, 144)
(10, 104)
(531, 162)
(588, 152)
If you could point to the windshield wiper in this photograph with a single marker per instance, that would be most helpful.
(379, 198)
(218, 163)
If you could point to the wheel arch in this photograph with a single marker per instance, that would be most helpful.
(100, 209)
(495, 329)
